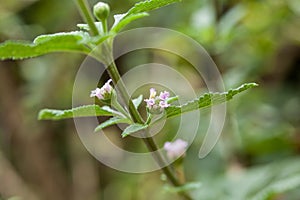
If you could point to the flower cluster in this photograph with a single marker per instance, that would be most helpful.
(104, 92)
(157, 103)
(176, 148)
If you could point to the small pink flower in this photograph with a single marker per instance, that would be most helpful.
(164, 95)
(96, 93)
(156, 104)
(103, 92)
(150, 102)
(176, 148)
(107, 87)
(163, 104)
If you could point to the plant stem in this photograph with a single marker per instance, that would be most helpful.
(149, 141)
(117, 80)
(104, 26)
(149, 118)
(87, 15)
(116, 105)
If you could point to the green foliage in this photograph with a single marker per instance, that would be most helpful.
(185, 187)
(207, 100)
(137, 101)
(204, 101)
(263, 182)
(149, 5)
(112, 121)
(76, 41)
(252, 41)
(138, 11)
(58, 42)
(278, 187)
(133, 128)
(121, 21)
(273, 179)
(82, 111)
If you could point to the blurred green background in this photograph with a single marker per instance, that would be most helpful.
(257, 156)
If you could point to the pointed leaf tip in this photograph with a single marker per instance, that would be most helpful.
(207, 100)
(133, 128)
(58, 42)
(112, 121)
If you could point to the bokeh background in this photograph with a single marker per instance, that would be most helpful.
(257, 156)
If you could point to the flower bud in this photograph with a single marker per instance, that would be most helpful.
(101, 11)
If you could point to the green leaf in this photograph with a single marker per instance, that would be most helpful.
(82, 111)
(114, 112)
(133, 128)
(149, 5)
(58, 42)
(121, 21)
(271, 180)
(138, 11)
(172, 99)
(278, 187)
(118, 18)
(112, 121)
(183, 188)
(137, 101)
(207, 100)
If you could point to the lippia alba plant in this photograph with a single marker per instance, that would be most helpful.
(87, 41)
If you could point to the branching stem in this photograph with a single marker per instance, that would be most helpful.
(87, 15)
(117, 80)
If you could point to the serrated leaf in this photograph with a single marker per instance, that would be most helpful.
(82, 111)
(133, 128)
(149, 5)
(121, 21)
(137, 101)
(112, 121)
(138, 11)
(207, 100)
(58, 42)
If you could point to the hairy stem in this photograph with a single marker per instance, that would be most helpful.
(87, 15)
